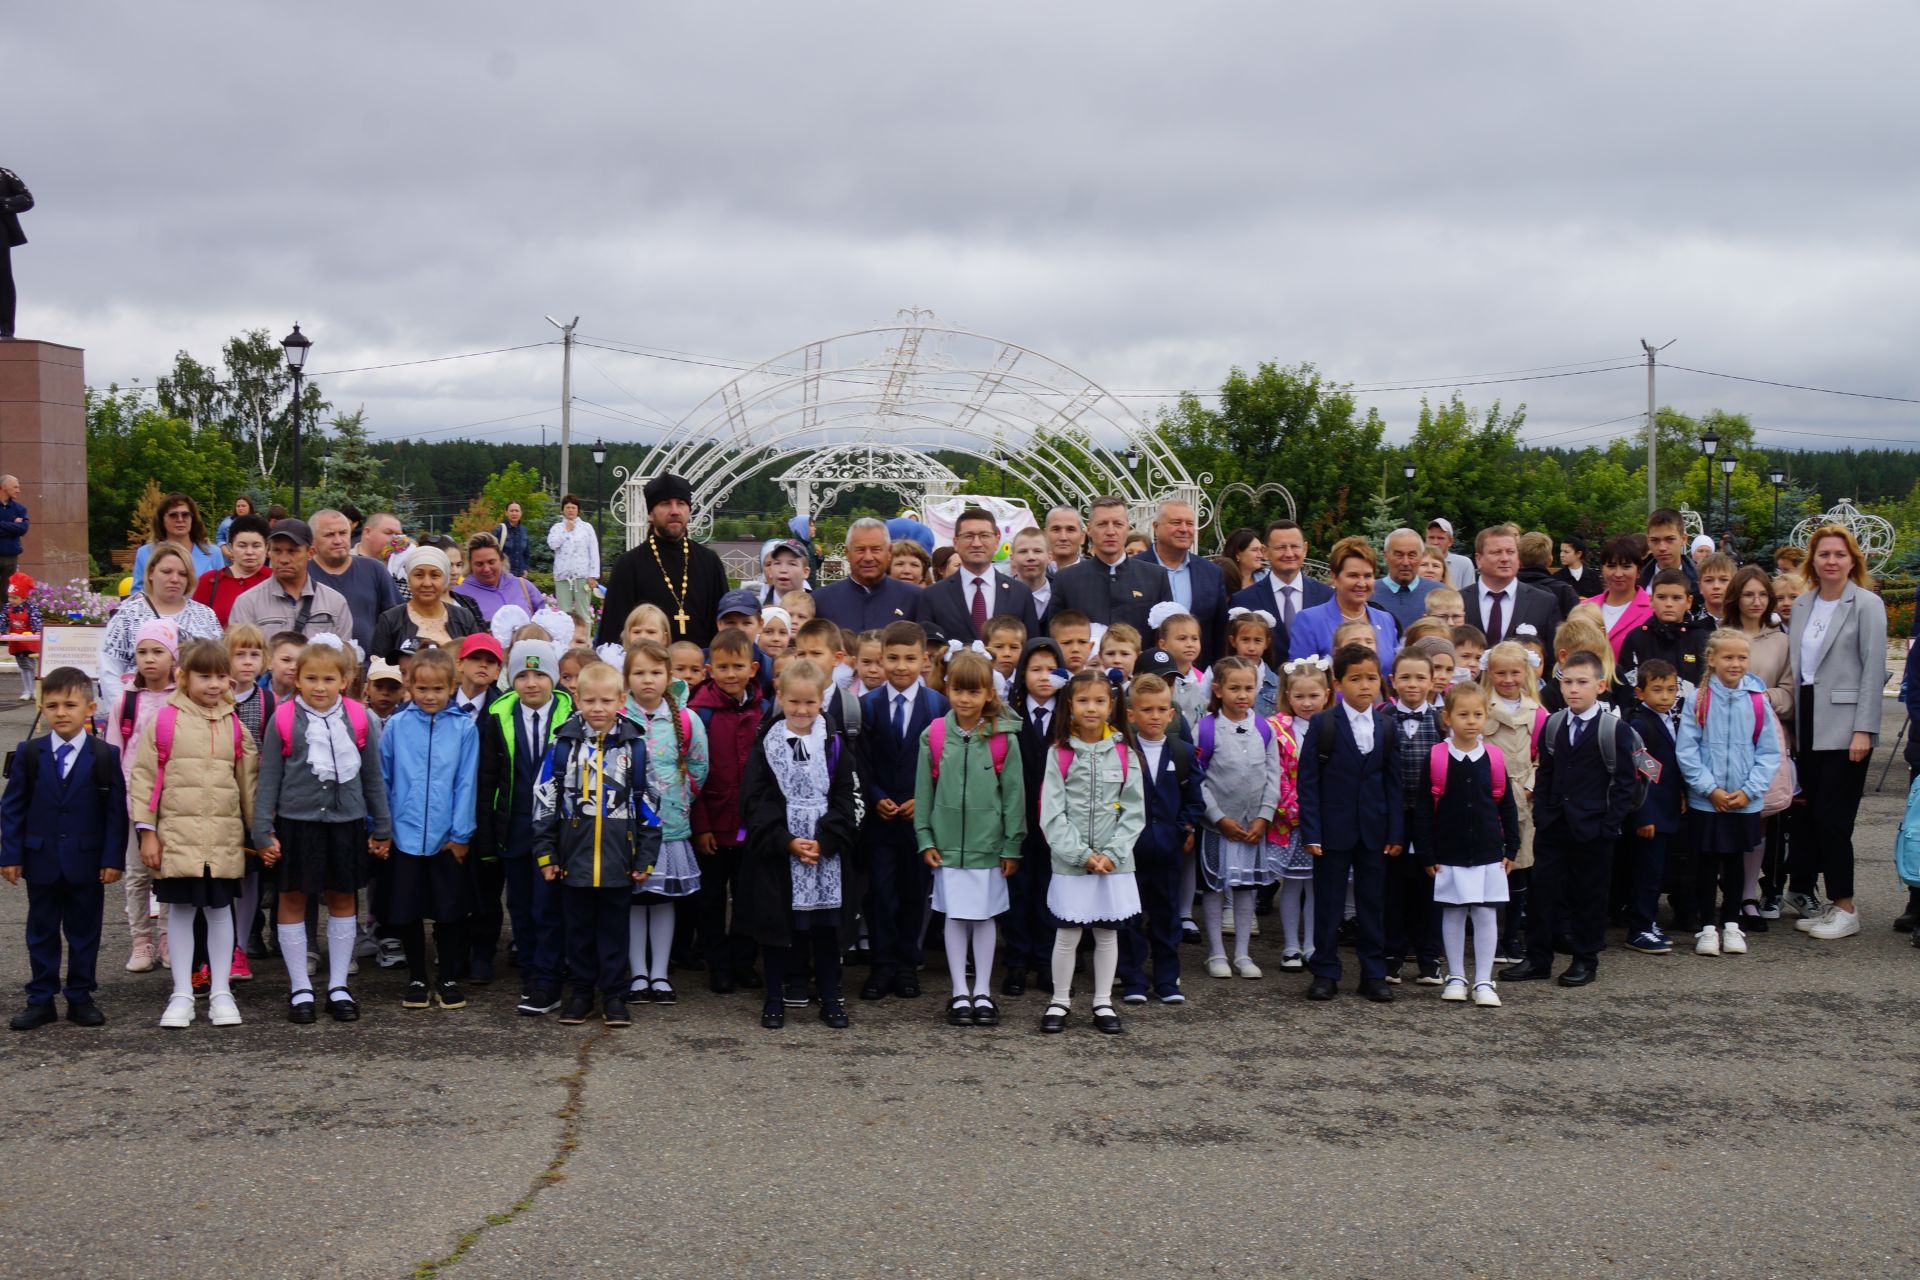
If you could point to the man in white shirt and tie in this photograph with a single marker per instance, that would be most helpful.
(1286, 589)
(1499, 604)
(961, 602)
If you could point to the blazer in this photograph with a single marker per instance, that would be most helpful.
(1638, 613)
(1209, 601)
(950, 604)
(1126, 594)
(56, 831)
(1174, 809)
(855, 608)
(1352, 801)
(1664, 809)
(892, 763)
(1260, 596)
(1531, 606)
(1313, 632)
(1852, 672)
(1571, 787)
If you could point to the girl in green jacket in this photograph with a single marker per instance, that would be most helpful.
(970, 815)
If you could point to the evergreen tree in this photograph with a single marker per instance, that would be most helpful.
(351, 474)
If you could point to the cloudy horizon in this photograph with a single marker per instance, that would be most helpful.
(1148, 194)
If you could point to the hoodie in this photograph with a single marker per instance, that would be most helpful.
(972, 814)
(1033, 745)
(1717, 747)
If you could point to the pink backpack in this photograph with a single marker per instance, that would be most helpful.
(937, 743)
(356, 720)
(1063, 756)
(1437, 766)
(164, 723)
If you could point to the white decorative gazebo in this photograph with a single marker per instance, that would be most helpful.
(870, 407)
(1874, 534)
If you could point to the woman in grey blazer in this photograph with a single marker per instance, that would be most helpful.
(1839, 636)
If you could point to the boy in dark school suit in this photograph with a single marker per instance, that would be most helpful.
(1175, 808)
(63, 829)
(894, 716)
(1578, 810)
(1654, 834)
(1352, 819)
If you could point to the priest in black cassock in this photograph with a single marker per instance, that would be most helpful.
(669, 569)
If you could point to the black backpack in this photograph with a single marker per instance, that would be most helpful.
(1645, 767)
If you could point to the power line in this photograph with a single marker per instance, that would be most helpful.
(1795, 386)
(622, 413)
(405, 364)
(1551, 435)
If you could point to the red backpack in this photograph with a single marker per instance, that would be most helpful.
(164, 722)
(937, 743)
(1437, 766)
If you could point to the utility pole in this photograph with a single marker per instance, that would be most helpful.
(566, 395)
(1653, 431)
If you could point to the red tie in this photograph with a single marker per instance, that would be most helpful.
(1495, 632)
(979, 606)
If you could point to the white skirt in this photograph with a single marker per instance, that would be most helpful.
(960, 894)
(1089, 899)
(1469, 886)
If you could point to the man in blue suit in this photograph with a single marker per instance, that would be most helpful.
(63, 829)
(1351, 820)
(960, 603)
(1197, 584)
(1286, 589)
(892, 719)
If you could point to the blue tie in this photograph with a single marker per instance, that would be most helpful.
(61, 755)
(900, 717)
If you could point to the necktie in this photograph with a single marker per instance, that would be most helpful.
(1496, 632)
(979, 606)
(61, 754)
(1286, 605)
(1040, 721)
(900, 717)
(799, 746)
(1573, 732)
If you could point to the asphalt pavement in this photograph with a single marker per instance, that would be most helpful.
(1738, 1117)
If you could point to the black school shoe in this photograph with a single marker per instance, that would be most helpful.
(661, 992)
(1014, 983)
(1054, 1020)
(906, 984)
(773, 1016)
(960, 1012)
(578, 1009)
(1106, 1021)
(302, 1013)
(34, 1016)
(879, 982)
(1322, 989)
(834, 1014)
(340, 1005)
(985, 1012)
(613, 1012)
(1377, 991)
(85, 1013)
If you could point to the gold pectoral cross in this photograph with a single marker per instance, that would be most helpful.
(680, 618)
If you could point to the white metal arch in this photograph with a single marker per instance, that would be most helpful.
(913, 387)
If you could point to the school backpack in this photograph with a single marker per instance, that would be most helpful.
(165, 721)
(937, 743)
(1063, 756)
(1906, 845)
(30, 766)
(1437, 761)
(1203, 737)
(1645, 767)
(356, 720)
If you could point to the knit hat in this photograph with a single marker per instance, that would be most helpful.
(19, 585)
(161, 630)
(536, 656)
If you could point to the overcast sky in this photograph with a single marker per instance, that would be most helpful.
(1151, 193)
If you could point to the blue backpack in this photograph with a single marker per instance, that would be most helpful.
(1906, 845)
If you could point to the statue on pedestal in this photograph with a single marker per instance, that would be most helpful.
(15, 200)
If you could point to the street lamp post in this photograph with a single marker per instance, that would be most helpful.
(1727, 465)
(1777, 477)
(1407, 472)
(296, 345)
(600, 477)
(1709, 443)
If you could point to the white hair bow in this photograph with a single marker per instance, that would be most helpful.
(611, 654)
(955, 648)
(1312, 662)
(507, 619)
(1533, 658)
(328, 640)
(1058, 678)
(1158, 615)
(556, 623)
(1241, 611)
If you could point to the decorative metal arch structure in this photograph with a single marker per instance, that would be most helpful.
(869, 399)
(1691, 524)
(915, 478)
(1241, 489)
(1874, 534)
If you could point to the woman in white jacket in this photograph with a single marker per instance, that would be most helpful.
(576, 560)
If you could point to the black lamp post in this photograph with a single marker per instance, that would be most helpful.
(296, 345)
(600, 476)
(1777, 477)
(1727, 465)
(1133, 458)
(1407, 472)
(1708, 444)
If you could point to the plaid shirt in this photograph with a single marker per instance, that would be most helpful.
(1419, 730)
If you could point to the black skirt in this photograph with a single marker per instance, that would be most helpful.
(1724, 832)
(181, 891)
(321, 857)
(408, 889)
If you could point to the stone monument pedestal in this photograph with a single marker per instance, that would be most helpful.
(43, 442)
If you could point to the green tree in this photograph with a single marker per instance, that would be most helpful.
(247, 399)
(350, 473)
(129, 446)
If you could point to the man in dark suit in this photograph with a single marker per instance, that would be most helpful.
(868, 598)
(1196, 582)
(1499, 603)
(1352, 819)
(960, 603)
(63, 829)
(1109, 586)
(15, 200)
(1286, 589)
(893, 718)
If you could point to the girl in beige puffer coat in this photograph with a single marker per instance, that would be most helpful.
(191, 794)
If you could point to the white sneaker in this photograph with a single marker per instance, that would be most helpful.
(1217, 967)
(1836, 924)
(1246, 968)
(1485, 996)
(1806, 922)
(1733, 940)
(222, 1011)
(179, 1013)
(1707, 942)
(1455, 992)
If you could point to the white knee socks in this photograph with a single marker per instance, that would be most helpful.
(1066, 941)
(1453, 938)
(957, 935)
(1486, 943)
(1211, 908)
(293, 950)
(1242, 922)
(659, 940)
(985, 935)
(340, 934)
(219, 951)
(980, 935)
(1106, 962)
(1293, 913)
(180, 942)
